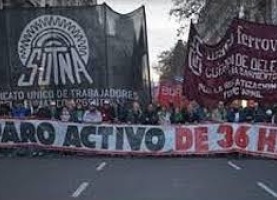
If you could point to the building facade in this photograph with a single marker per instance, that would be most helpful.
(45, 3)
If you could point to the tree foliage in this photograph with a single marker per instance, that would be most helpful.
(184, 10)
(163, 68)
(171, 62)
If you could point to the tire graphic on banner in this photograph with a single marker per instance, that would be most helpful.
(195, 57)
(55, 51)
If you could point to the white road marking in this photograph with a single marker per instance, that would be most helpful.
(267, 189)
(101, 166)
(234, 165)
(80, 189)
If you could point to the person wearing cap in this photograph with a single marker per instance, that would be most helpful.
(92, 115)
(107, 112)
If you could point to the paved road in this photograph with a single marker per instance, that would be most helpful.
(137, 179)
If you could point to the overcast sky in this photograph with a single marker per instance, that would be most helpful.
(161, 27)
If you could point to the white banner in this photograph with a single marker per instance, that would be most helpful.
(138, 139)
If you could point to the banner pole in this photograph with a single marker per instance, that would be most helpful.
(106, 46)
(147, 52)
(186, 58)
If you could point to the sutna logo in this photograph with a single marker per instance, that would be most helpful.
(55, 49)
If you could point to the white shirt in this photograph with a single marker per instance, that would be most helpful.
(164, 118)
(236, 117)
(92, 117)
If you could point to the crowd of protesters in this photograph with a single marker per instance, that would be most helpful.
(133, 113)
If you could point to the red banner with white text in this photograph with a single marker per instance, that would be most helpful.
(171, 92)
(243, 65)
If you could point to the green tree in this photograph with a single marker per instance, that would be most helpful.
(214, 16)
(183, 10)
(171, 62)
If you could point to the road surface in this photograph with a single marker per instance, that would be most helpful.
(105, 178)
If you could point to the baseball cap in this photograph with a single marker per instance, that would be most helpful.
(106, 101)
(93, 103)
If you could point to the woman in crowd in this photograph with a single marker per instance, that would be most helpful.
(65, 115)
(164, 116)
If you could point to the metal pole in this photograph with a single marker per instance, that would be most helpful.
(147, 50)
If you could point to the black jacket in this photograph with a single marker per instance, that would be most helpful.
(150, 118)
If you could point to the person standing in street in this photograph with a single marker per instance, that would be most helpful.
(92, 115)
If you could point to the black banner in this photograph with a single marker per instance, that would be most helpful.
(77, 52)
